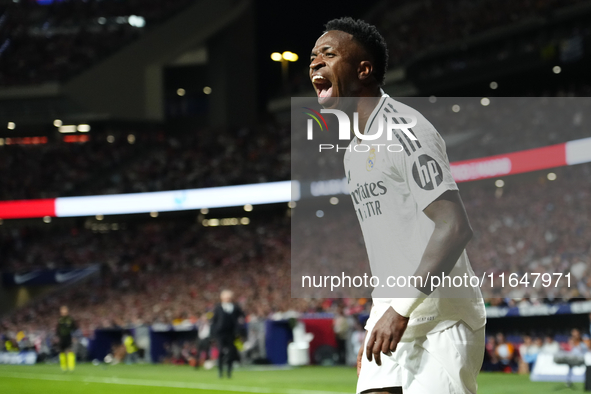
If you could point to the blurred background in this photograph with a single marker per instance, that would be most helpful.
(181, 101)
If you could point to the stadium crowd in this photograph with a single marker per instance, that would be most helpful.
(125, 160)
(171, 272)
(534, 225)
(413, 27)
(55, 41)
(163, 271)
(520, 353)
(60, 168)
(119, 160)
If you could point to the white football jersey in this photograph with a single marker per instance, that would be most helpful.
(390, 190)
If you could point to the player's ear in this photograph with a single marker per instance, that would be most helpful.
(364, 70)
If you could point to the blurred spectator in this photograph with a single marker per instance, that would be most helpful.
(550, 345)
(341, 330)
(357, 337)
(189, 354)
(587, 341)
(505, 351)
(10, 345)
(491, 359)
(254, 347)
(203, 338)
(131, 348)
(576, 344)
(528, 353)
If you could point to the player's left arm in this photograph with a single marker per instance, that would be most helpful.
(449, 239)
(441, 203)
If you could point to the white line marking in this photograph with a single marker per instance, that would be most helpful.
(160, 383)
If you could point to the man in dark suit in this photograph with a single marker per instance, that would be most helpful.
(227, 317)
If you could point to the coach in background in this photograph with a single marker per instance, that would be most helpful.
(225, 325)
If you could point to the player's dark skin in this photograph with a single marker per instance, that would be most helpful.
(348, 68)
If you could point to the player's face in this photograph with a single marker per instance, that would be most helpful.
(334, 67)
(64, 311)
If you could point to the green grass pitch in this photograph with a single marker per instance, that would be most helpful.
(168, 379)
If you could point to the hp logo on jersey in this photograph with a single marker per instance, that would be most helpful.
(427, 172)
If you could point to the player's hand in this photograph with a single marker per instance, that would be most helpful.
(359, 357)
(385, 335)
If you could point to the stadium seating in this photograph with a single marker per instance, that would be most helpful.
(414, 27)
(207, 158)
(163, 270)
(201, 159)
(160, 271)
(56, 41)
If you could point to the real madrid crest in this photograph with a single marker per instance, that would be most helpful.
(371, 160)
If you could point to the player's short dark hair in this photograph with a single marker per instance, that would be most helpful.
(371, 40)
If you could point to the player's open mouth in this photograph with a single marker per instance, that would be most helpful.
(323, 88)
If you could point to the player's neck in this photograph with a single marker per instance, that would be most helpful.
(366, 104)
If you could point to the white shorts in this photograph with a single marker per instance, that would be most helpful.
(442, 362)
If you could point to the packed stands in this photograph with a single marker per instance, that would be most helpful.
(414, 27)
(119, 161)
(125, 161)
(56, 41)
(161, 272)
(171, 271)
(143, 263)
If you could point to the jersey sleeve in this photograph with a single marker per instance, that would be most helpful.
(422, 163)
